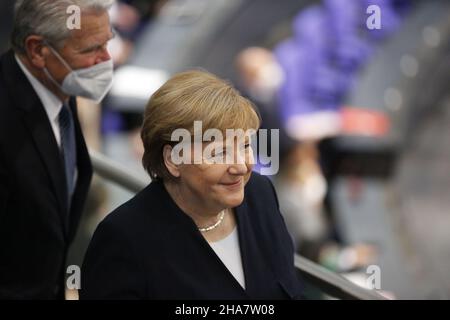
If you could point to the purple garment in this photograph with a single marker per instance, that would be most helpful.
(390, 19)
(330, 43)
(347, 23)
(293, 92)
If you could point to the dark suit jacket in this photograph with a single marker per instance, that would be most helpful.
(149, 249)
(36, 225)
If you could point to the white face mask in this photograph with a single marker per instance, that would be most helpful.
(91, 83)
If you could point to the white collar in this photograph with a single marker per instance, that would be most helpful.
(52, 104)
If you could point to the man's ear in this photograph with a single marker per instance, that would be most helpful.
(173, 168)
(36, 51)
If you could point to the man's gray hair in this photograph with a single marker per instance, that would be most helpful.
(47, 18)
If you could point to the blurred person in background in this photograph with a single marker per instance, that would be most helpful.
(45, 170)
(128, 18)
(302, 188)
(300, 183)
(209, 230)
(260, 78)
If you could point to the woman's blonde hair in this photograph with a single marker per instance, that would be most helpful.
(190, 96)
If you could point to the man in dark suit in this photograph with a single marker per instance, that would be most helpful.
(45, 170)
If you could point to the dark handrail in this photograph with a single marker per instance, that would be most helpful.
(330, 282)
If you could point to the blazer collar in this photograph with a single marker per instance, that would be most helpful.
(256, 256)
(39, 127)
(52, 104)
(251, 256)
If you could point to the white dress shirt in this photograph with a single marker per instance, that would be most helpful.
(52, 104)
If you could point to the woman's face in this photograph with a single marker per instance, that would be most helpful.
(216, 183)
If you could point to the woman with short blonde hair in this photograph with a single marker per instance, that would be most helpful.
(208, 229)
(188, 97)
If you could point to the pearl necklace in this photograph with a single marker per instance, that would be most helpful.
(215, 225)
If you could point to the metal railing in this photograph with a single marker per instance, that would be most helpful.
(329, 282)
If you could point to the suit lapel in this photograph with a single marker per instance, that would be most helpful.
(84, 167)
(245, 240)
(256, 259)
(39, 127)
(231, 279)
(45, 142)
(182, 223)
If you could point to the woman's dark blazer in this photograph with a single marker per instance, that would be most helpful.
(149, 249)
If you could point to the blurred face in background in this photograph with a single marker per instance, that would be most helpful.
(260, 72)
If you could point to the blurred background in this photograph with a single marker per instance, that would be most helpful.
(363, 114)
